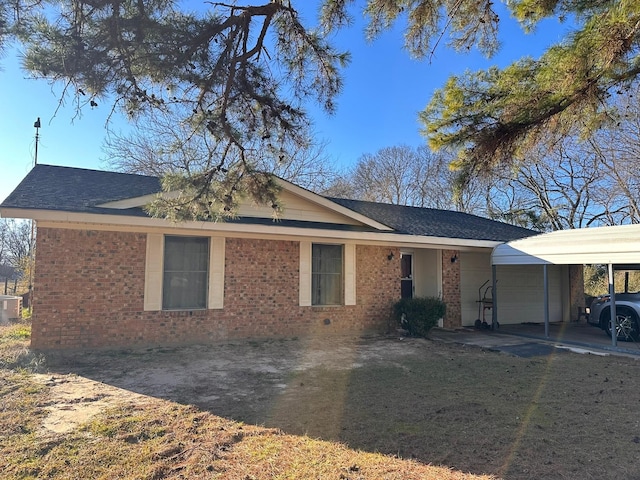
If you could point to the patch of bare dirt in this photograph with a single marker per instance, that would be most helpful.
(464, 407)
(238, 380)
(74, 400)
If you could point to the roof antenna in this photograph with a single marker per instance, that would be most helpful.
(36, 125)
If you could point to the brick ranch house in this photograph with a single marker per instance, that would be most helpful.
(108, 275)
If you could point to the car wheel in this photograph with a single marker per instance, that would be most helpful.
(626, 324)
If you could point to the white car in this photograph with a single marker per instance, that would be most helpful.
(627, 315)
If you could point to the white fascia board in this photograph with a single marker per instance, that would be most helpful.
(506, 254)
(499, 257)
(320, 200)
(290, 187)
(91, 221)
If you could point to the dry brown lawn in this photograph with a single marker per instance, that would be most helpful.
(372, 408)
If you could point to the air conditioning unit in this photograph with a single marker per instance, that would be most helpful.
(10, 308)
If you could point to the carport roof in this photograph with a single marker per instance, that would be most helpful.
(597, 245)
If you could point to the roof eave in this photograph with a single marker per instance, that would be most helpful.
(106, 221)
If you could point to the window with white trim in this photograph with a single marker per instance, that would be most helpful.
(185, 273)
(327, 274)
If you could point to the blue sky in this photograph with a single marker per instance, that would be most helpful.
(383, 93)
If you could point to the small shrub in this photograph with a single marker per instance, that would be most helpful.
(419, 315)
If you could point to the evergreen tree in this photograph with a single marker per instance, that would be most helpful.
(497, 115)
(242, 72)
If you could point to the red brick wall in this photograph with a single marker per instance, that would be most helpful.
(85, 283)
(89, 285)
(451, 294)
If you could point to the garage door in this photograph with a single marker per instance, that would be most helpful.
(521, 293)
(520, 290)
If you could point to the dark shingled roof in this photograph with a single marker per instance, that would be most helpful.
(437, 223)
(49, 187)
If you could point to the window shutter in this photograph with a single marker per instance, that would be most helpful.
(305, 274)
(216, 273)
(153, 272)
(350, 274)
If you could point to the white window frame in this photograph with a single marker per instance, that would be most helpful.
(348, 272)
(154, 272)
(192, 280)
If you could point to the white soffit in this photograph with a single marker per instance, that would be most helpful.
(598, 245)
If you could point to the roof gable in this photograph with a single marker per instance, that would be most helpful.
(299, 204)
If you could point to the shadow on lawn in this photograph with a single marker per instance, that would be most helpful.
(466, 408)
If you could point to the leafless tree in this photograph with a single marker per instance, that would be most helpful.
(561, 184)
(341, 187)
(402, 175)
(15, 241)
(579, 182)
(159, 146)
(16, 260)
(618, 149)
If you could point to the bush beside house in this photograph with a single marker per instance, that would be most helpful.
(419, 315)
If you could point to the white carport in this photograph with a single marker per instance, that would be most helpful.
(614, 246)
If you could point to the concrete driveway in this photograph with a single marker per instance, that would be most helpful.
(529, 339)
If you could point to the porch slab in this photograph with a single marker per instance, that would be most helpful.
(517, 339)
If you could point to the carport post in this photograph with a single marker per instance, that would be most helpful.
(546, 300)
(494, 296)
(612, 299)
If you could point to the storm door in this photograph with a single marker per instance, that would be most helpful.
(406, 280)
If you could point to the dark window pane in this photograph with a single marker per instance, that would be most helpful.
(326, 274)
(405, 266)
(186, 263)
